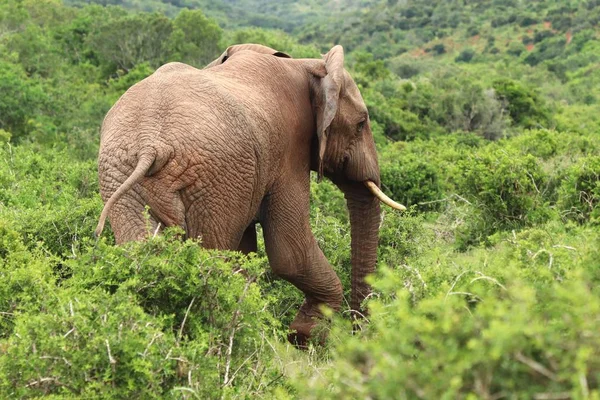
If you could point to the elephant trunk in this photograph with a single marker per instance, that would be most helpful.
(364, 224)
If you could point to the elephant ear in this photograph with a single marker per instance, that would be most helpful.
(327, 101)
(257, 48)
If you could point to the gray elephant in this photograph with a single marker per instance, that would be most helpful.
(217, 150)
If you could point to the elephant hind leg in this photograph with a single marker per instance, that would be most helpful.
(248, 243)
(167, 208)
(218, 224)
(129, 220)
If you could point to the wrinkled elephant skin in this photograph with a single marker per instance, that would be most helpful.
(216, 150)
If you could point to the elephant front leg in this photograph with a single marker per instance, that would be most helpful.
(295, 256)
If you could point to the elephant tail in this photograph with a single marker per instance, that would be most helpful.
(143, 166)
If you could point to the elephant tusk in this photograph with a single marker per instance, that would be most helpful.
(382, 196)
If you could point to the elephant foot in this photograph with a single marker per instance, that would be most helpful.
(303, 327)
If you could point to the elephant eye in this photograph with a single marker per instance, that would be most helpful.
(360, 126)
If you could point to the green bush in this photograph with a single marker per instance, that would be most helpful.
(527, 20)
(122, 43)
(449, 101)
(580, 118)
(27, 278)
(20, 99)
(465, 56)
(476, 347)
(540, 143)
(515, 49)
(440, 48)
(398, 123)
(402, 237)
(549, 49)
(459, 103)
(56, 197)
(411, 180)
(143, 320)
(579, 193)
(504, 190)
(366, 69)
(89, 344)
(196, 38)
(165, 276)
(518, 320)
(524, 105)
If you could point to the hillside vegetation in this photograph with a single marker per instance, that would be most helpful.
(486, 115)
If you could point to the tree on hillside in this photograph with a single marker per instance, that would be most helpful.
(134, 39)
(196, 38)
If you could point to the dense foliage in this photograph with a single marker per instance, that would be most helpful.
(487, 120)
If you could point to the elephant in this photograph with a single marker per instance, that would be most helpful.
(217, 150)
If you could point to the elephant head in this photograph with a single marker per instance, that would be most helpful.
(346, 154)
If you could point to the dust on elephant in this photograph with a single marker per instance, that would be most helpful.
(217, 150)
